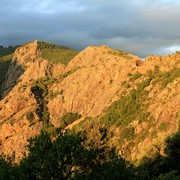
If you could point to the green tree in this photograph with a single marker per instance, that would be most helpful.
(8, 170)
(167, 167)
(67, 157)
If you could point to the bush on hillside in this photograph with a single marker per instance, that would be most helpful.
(68, 119)
(56, 54)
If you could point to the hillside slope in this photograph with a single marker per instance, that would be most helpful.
(115, 97)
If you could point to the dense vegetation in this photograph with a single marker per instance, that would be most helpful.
(164, 167)
(66, 157)
(69, 157)
(68, 119)
(56, 54)
(133, 105)
(130, 106)
(164, 78)
(6, 54)
(7, 50)
(40, 90)
(4, 64)
(123, 116)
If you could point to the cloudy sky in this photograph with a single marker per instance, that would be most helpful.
(141, 27)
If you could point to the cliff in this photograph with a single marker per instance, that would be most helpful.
(136, 102)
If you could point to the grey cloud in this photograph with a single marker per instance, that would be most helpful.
(142, 27)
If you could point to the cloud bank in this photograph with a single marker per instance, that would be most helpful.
(142, 27)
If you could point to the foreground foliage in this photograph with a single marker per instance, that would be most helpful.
(67, 157)
(167, 167)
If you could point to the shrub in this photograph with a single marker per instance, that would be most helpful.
(127, 85)
(127, 133)
(143, 84)
(156, 69)
(163, 127)
(123, 83)
(110, 81)
(136, 76)
(120, 53)
(40, 90)
(68, 119)
(129, 107)
(30, 116)
(164, 78)
(129, 74)
(74, 69)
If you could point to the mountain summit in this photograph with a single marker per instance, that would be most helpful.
(112, 95)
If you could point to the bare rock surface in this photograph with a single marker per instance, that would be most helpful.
(89, 84)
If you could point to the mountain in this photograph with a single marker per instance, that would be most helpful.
(115, 97)
(6, 54)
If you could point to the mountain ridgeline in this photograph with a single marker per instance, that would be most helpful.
(120, 103)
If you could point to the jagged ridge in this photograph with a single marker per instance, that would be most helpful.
(136, 102)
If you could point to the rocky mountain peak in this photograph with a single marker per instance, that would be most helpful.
(26, 53)
(27, 65)
(137, 101)
(93, 55)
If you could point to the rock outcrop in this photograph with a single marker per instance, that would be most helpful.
(88, 85)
